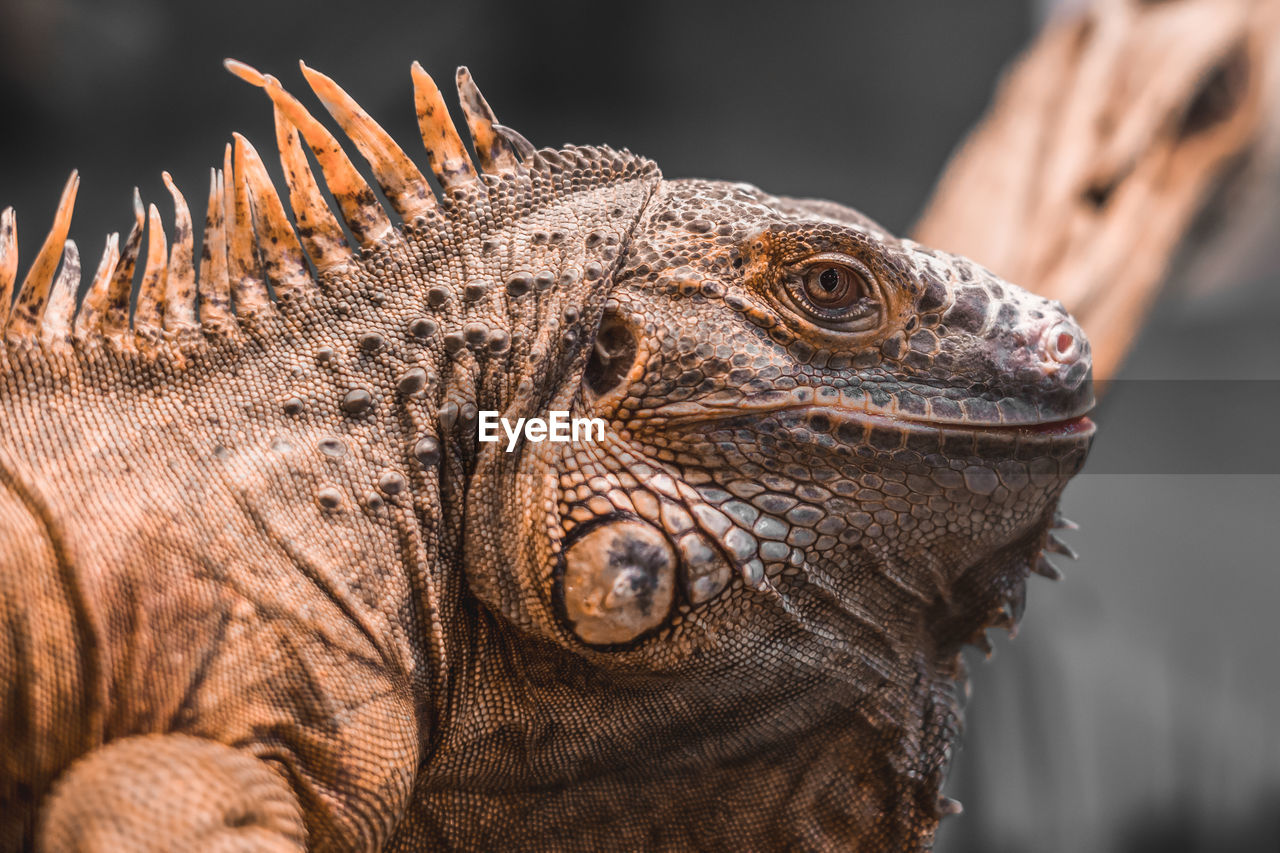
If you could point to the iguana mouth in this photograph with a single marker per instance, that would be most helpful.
(1076, 425)
(1068, 429)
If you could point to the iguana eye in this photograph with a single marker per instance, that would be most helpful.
(832, 287)
(835, 290)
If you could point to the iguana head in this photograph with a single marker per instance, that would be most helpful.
(832, 458)
(805, 415)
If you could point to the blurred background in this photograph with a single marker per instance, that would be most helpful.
(1137, 709)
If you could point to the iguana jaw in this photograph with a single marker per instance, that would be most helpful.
(1081, 425)
(1072, 425)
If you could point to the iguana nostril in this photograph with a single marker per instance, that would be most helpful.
(619, 581)
(1061, 342)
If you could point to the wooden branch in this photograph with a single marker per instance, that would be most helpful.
(1103, 142)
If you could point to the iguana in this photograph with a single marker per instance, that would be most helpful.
(262, 587)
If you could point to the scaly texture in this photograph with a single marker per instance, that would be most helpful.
(262, 587)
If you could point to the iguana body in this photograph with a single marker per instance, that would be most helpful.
(262, 586)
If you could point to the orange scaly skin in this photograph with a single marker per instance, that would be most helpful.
(262, 587)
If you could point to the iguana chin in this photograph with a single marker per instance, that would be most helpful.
(262, 588)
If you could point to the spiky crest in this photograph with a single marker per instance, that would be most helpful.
(26, 314)
(251, 250)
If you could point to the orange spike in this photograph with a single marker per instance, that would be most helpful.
(106, 266)
(493, 149)
(247, 285)
(320, 232)
(180, 278)
(245, 72)
(523, 147)
(400, 179)
(360, 207)
(448, 156)
(215, 286)
(34, 293)
(227, 185)
(148, 313)
(8, 261)
(281, 255)
(55, 328)
(106, 309)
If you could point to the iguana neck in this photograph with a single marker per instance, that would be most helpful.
(391, 363)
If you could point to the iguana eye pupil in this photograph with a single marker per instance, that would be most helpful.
(833, 288)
